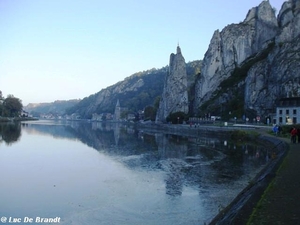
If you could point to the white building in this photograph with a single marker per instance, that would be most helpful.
(288, 111)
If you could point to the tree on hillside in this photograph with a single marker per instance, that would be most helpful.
(1, 103)
(149, 113)
(11, 106)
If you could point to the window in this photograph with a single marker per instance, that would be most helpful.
(295, 111)
(294, 120)
(287, 111)
(280, 111)
(280, 119)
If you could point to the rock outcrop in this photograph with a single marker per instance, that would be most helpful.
(251, 65)
(231, 47)
(278, 75)
(289, 21)
(175, 94)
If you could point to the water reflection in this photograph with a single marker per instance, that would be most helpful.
(179, 157)
(137, 175)
(206, 159)
(10, 132)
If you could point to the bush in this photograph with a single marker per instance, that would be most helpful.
(177, 118)
(239, 135)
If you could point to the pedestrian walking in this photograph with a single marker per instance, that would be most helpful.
(275, 129)
(293, 135)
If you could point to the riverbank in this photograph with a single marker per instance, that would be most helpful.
(274, 196)
(255, 204)
(242, 208)
(199, 129)
(280, 203)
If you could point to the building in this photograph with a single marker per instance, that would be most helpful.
(288, 111)
(24, 113)
(97, 117)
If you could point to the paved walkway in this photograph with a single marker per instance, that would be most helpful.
(280, 204)
(274, 196)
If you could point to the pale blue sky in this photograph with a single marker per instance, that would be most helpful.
(66, 49)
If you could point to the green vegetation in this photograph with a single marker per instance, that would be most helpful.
(150, 111)
(10, 133)
(10, 106)
(137, 92)
(285, 132)
(177, 118)
(240, 135)
(132, 97)
(56, 108)
(258, 212)
(82, 106)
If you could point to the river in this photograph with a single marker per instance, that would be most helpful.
(94, 173)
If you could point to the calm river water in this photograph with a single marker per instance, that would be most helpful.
(93, 173)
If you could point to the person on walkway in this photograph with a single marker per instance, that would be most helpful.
(298, 134)
(275, 129)
(293, 135)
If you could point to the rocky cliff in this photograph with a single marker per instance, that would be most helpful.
(277, 75)
(250, 65)
(175, 92)
(229, 48)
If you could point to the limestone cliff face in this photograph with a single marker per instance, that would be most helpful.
(229, 48)
(278, 75)
(275, 77)
(175, 95)
(289, 21)
(253, 63)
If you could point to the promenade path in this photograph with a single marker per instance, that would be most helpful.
(280, 203)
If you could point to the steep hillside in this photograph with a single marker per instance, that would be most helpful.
(134, 93)
(54, 108)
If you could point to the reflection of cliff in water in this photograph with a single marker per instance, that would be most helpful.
(184, 162)
(207, 162)
(202, 163)
(10, 132)
(56, 130)
(113, 138)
